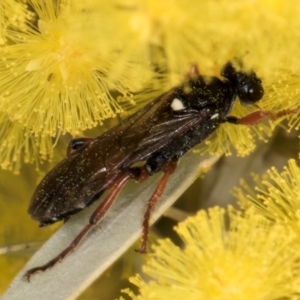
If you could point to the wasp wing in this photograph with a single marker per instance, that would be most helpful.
(150, 129)
(79, 179)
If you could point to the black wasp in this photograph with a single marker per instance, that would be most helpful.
(158, 135)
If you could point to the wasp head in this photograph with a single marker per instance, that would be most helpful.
(246, 84)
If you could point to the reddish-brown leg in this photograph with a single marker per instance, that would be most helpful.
(168, 169)
(94, 219)
(257, 116)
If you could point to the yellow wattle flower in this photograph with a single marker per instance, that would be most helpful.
(253, 259)
(276, 196)
(58, 77)
(12, 14)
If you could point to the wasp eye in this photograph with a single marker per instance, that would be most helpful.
(256, 94)
(249, 89)
(247, 85)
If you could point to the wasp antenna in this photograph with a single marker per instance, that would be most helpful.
(238, 62)
(193, 72)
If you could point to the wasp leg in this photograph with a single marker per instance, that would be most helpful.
(168, 169)
(257, 116)
(77, 143)
(98, 214)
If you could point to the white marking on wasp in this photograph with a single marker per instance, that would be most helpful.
(177, 104)
(81, 206)
(102, 170)
(214, 116)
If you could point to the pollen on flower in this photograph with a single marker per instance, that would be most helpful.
(19, 145)
(12, 13)
(283, 93)
(252, 259)
(181, 32)
(60, 77)
(277, 196)
(167, 30)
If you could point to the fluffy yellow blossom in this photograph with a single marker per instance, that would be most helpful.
(59, 70)
(180, 33)
(65, 69)
(19, 145)
(282, 91)
(12, 13)
(212, 32)
(58, 77)
(251, 260)
(276, 196)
